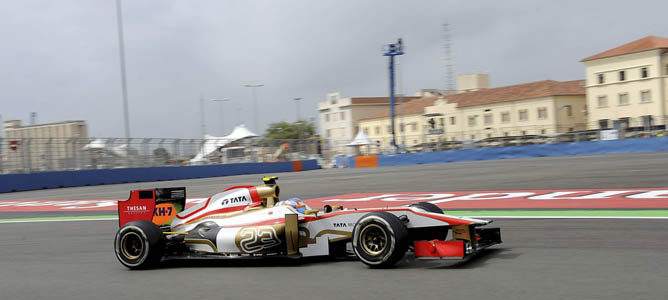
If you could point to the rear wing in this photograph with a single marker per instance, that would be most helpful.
(157, 205)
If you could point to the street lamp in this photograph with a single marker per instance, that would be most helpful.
(253, 87)
(222, 120)
(297, 102)
(124, 87)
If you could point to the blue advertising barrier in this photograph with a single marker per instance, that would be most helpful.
(542, 150)
(59, 179)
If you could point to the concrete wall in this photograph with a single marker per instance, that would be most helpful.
(544, 150)
(45, 180)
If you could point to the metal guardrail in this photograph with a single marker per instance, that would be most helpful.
(29, 155)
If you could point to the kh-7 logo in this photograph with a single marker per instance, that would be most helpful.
(254, 239)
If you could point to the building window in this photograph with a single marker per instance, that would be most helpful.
(333, 99)
(377, 130)
(505, 133)
(542, 113)
(645, 97)
(523, 115)
(441, 122)
(602, 101)
(343, 116)
(473, 136)
(488, 119)
(543, 131)
(624, 99)
(366, 130)
(505, 117)
(644, 73)
(471, 121)
(569, 110)
(401, 127)
(413, 126)
(328, 133)
(603, 123)
(601, 78)
(389, 128)
(452, 120)
(326, 117)
(622, 75)
(524, 132)
(570, 129)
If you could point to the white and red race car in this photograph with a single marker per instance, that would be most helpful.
(250, 222)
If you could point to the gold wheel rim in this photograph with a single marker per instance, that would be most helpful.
(373, 239)
(132, 245)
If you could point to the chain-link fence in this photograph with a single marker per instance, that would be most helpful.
(30, 155)
(439, 138)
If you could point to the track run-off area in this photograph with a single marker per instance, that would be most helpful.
(573, 227)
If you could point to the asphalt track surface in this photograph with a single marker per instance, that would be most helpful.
(539, 259)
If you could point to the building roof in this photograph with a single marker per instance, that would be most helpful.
(378, 100)
(537, 89)
(409, 108)
(531, 90)
(643, 44)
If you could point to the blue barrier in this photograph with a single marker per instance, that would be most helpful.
(542, 150)
(45, 180)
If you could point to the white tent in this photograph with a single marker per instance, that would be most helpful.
(213, 143)
(360, 140)
(101, 145)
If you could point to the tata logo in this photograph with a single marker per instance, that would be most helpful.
(340, 225)
(234, 200)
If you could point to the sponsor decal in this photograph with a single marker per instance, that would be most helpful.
(256, 239)
(135, 209)
(164, 213)
(234, 200)
(343, 225)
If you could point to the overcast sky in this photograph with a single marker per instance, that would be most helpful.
(60, 58)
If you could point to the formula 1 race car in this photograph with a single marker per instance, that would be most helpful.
(244, 222)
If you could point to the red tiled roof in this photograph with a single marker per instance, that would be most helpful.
(643, 44)
(516, 92)
(378, 100)
(409, 108)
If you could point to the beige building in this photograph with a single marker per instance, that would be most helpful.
(535, 108)
(338, 116)
(42, 147)
(409, 123)
(627, 86)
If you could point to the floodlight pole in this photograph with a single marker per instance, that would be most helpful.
(255, 116)
(393, 50)
(124, 86)
(297, 102)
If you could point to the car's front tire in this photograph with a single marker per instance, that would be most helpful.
(139, 245)
(380, 239)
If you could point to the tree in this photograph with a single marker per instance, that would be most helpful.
(284, 130)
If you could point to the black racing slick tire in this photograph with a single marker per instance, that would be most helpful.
(380, 239)
(430, 207)
(139, 245)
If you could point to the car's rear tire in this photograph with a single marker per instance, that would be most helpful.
(139, 245)
(380, 239)
(430, 207)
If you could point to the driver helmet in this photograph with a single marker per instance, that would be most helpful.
(297, 204)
